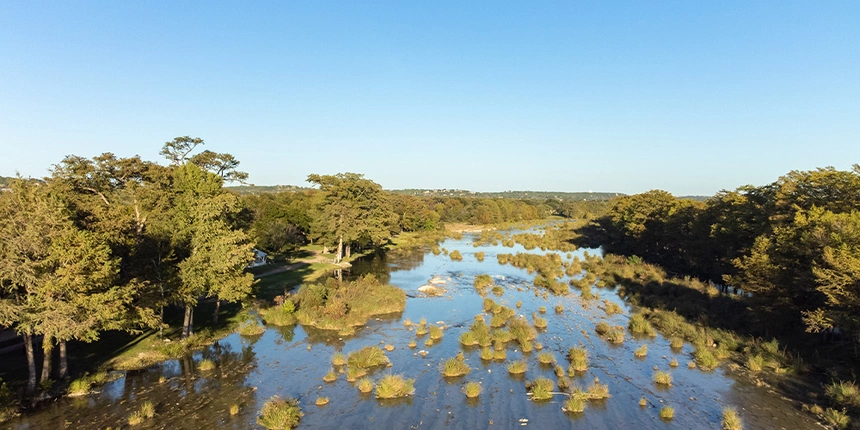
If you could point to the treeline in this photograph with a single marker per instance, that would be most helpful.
(105, 243)
(281, 222)
(791, 247)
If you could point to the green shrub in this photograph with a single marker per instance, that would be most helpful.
(283, 315)
(251, 327)
(342, 306)
(639, 325)
(280, 414)
(705, 359)
(394, 386)
(755, 363)
(837, 419)
(844, 393)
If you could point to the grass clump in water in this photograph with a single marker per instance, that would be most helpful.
(412, 344)
(612, 308)
(456, 366)
(280, 315)
(662, 378)
(500, 355)
(321, 401)
(365, 385)
(455, 255)
(539, 323)
(546, 358)
(278, 413)
(435, 332)
(639, 325)
(331, 376)
(366, 358)
(517, 367)
(541, 388)
(673, 363)
(667, 413)
(338, 359)
(602, 328)
(676, 343)
(234, 409)
(578, 359)
(559, 308)
(472, 389)
(574, 404)
(641, 352)
(615, 335)
(486, 354)
(250, 328)
(731, 419)
(479, 256)
(394, 386)
(598, 391)
(482, 282)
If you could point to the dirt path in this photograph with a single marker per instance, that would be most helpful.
(317, 257)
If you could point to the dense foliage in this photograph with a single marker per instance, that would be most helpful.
(792, 246)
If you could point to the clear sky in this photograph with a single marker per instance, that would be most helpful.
(688, 96)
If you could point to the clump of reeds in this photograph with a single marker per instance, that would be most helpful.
(278, 413)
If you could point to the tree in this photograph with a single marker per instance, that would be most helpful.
(215, 253)
(352, 209)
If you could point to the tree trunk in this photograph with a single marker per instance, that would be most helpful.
(47, 350)
(31, 363)
(339, 254)
(188, 323)
(64, 363)
(348, 250)
(217, 309)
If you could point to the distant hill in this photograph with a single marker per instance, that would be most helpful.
(520, 195)
(528, 195)
(264, 189)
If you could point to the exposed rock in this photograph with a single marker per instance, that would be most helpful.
(437, 280)
(431, 290)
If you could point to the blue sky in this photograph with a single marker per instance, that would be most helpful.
(690, 97)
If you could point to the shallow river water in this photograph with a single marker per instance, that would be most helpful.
(291, 362)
